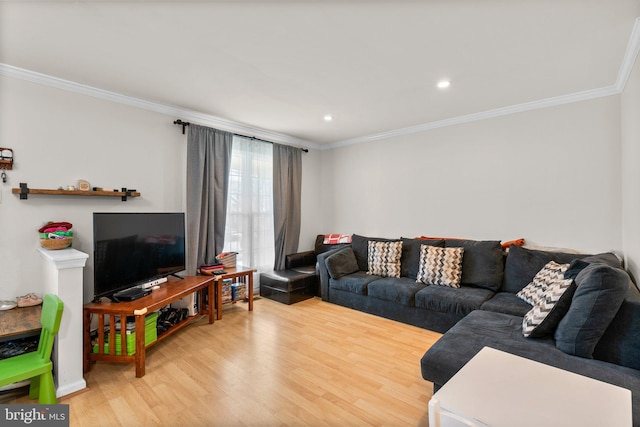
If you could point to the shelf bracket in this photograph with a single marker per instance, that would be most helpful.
(127, 193)
(24, 191)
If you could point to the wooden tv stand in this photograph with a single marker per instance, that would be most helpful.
(171, 291)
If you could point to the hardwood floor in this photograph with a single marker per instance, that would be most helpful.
(311, 363)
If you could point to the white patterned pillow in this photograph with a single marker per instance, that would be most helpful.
(383, 258)
(549, 274)
(548, 310)
(440, 266)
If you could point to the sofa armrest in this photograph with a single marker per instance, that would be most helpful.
(321, 267)
(300, 259)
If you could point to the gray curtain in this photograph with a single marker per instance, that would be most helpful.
(208, 164)
(287, 181)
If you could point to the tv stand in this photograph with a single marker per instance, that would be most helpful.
(168, 292)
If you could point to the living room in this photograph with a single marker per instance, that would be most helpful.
(557, 166)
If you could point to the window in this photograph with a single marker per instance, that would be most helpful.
(249, 227)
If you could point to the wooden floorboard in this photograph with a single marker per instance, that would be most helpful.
(311, 363)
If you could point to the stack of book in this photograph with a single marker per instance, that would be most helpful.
(211, 269)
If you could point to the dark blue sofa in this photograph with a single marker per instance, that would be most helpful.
(485, 310)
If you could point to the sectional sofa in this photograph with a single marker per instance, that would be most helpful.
(593, 329)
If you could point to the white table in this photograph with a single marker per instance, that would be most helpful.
(499, 389)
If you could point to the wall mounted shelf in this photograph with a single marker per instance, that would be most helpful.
(24, 191)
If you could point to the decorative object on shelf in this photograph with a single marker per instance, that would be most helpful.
(56, 235)
(6, 162)
(24, 192)
(83, 185)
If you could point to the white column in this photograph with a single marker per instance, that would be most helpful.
(63, 277)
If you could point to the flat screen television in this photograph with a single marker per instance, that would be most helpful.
(132, 249)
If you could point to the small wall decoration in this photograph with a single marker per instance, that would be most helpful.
(6, 162)
(83, 185)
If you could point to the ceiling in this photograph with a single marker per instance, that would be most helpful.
(281, 66)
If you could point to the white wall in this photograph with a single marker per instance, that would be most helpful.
(551, 176)
(631, 172)
(59, 137)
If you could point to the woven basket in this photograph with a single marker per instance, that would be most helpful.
(56, 243)
(228, 261)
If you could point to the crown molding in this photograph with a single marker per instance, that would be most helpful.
(489, 114)
(630, 56)
(629, 59)
(174, 112)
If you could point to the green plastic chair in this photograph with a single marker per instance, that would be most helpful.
(37, 364)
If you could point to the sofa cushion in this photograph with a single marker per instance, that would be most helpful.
(483, 263)
(440, 266)
(607, 258)
(383, 258)
(508, 303)
(399, 290)
(548, 275)
(360, 245)
(522, 264)
(342, 263)
(459, 301)
(598, 297)
(356, 282)
(410, 260)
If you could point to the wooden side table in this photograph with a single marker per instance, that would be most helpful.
(240, 275)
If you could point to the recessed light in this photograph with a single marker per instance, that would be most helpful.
(442, 84)
(328, 117)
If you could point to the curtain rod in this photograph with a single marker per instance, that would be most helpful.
(185, 124)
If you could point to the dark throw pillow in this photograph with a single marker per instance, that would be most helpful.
(342, 263)
(598, 297)
(410, 259)
(360, 245)
(523, 264)
(483, 263)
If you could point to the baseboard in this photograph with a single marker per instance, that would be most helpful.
(71, 388)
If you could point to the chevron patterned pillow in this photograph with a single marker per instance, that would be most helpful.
(383, 258)
(549, 274)
(440, 266)
(548, 310)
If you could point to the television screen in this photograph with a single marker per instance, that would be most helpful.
(130, 249)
